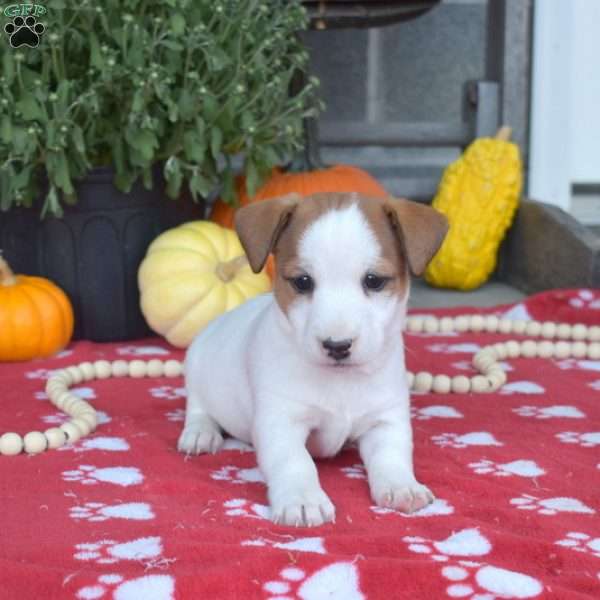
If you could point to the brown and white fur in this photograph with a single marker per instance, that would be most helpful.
(300, 373)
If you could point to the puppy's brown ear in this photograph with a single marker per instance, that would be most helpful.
(419, 229)
(260, 224)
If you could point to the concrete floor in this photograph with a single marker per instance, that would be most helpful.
(490, 294)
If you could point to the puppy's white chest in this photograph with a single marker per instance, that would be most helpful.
(329, 437)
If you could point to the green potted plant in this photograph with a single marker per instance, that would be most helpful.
(118, 118)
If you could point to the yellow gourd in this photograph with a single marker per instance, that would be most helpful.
(479, 194)
(190, 275)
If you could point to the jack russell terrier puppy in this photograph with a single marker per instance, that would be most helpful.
(320, 361)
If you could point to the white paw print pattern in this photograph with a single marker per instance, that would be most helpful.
(142, 351)
(109, 551)
(595, 385)
(437, 508)
(436, 411)
(549, 412)
(585, 299)
(307, 544)
(177, 415)
(551, 506)
(41, 373)
(472, 579)
(356, 471)
(584, 365)
(168, 392)
(113, 585)
(466, 348)
(336, 581)
(240, 507)
(96, 511)
(455, 440)
(581, 542)
(59, 418)
(91, 475)
(521, 387)
(108, 444)
(522, 468)
(238, 476)
(86, 393)
(587, 440)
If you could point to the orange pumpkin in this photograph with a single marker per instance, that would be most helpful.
(339, 178)
(36, 317)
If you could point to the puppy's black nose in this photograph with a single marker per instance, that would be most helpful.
(339, 349)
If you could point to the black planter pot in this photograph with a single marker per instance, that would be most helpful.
(93, 252)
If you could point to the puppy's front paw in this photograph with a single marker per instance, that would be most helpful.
(200, 439)
(302, 508)
(406, 497)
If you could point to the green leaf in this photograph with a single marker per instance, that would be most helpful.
(6, 129)
(8, 64)
(187, 104)
(30, 109)
(228, 190)
(216, 140)
(96, 59)
(59, 170)
(144, 141)
(252, 178)
(174, 177)
(19, 139)
(77, 135)
(6, 176)
(210, 106)
(199, 185)
(177, 23)
(193, 146)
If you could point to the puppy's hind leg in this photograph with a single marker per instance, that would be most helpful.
(201, 433)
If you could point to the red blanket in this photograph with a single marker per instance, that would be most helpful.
(120, 514)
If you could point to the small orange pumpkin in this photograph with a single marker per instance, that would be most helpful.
(338, 178)
(36, 317)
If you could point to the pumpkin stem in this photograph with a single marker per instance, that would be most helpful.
(503, 133)
(7, 277)
(226, 271)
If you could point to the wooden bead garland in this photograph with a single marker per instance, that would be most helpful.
(84, 418)
(585, 344)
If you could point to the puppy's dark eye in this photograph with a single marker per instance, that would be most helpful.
(304, 284)
(374, 283)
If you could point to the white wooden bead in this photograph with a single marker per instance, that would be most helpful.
(415, 324)
(67, 403)
(54, 388)
(513, 349)
(59, 399)
(593, 350)
(83, 426)
(562, 349)
(90, 418)
(548, 329)
(103, 369)
(563, 331)
(494, 382)
(431, 325)
(423, 381)
(498, 374)
(88, 371)
(75, 406)
(410, 379)
(491, 323)
(476, 323)
(545, 349)
(81, 407)
(442, 384)
(593, 333)
(137, 368)
(120, 368)
(479, 383)
(155, 368)
(500, 350)
(461, 384)
(519, 326)
(578, 349)
(461, 323)
(34, 442)
(76, 374)
(579, 331)
(71, 431)
(529, 348)
(446, 324)
(64, 377)
(483, 363)
(56, 437)
(533, 328)
(173, 368)
(11, 444)
(505, 326)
